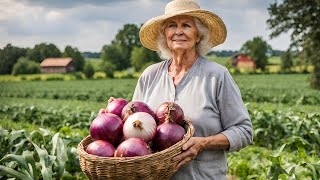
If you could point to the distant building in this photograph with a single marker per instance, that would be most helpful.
(57, 65)
(243, 62)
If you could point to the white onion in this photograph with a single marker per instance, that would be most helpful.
(140, 125)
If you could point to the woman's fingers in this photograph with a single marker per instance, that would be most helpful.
(189, 153)
(188, 144)
(183, 162)
(190, 150)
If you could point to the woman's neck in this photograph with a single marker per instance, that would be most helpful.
(183, 61)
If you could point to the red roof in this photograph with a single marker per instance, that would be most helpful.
(244, 58)
(54, 62)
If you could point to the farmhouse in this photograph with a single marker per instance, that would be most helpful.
(57, 65)
(243, 62)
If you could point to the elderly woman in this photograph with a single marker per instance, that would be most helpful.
(205, 90)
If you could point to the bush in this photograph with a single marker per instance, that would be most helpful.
(99, 75)
(108, 68)
(88, 70)
(78, 75)
(25, 66)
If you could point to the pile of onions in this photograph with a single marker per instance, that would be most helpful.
(132, 147)
(133, 107)
(130, 127)
(115, 105)
(170, 112)
(107, 126)
(140, 125)
(101, 148)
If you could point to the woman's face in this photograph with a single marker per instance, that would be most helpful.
(181, 33)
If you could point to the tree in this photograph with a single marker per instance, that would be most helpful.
(43, 51)
(119, 51)
(75, 54)
(141, 56)
(128, 38)
(9, 56)
(115, 55)
(257, 49)
(25, 66)
(88, 70)
(286, 61)
(301, 19)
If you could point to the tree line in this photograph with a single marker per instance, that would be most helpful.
(16, 60)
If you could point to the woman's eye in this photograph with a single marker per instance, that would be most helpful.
(186, 25)
(171, 25)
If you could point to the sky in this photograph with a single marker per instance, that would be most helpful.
(90, 24)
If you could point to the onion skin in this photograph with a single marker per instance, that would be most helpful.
(136, 106)
(167, 135)
(170, 112)
(101, 148)
(140, 125)
(132, 147)
(115, 105)
(107, 126)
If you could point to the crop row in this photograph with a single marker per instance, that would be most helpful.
(271, 128)
(100, 95)
(287, 89)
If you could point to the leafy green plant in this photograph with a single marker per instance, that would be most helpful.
(48, 156)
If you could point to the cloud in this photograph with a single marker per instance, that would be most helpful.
(68, 3)
(90, 24)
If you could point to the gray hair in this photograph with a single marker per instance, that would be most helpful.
(202, 48)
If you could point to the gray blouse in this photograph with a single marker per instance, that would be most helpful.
(211, 99)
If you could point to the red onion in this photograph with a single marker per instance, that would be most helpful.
(101, 148)
(107, 126)
(140, 125)
(167, 135)
(132, 147)
(135, 106)
(170, 112)
(115, 105)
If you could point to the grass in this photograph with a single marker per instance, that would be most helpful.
(284, 107)
(274, 81)
(36, 77)
(55, 103)
(220, 60)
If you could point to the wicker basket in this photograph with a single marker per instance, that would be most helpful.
(157, 165)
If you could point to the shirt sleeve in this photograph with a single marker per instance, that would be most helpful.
(233, 114)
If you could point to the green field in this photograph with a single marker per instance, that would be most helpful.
(285, 113)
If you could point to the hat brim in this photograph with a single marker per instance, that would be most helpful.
(149, 32)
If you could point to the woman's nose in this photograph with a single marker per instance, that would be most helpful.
(179, 31)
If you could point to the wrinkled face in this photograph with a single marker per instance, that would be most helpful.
(181, 33)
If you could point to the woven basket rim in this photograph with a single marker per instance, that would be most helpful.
(81, 149)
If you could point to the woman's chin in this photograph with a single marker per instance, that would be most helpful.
(180, 48)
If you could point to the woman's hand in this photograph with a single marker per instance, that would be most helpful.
(190, 150)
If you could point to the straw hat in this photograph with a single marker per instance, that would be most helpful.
(150, 30)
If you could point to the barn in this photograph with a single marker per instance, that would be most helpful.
(243, 62)
(57, 65)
